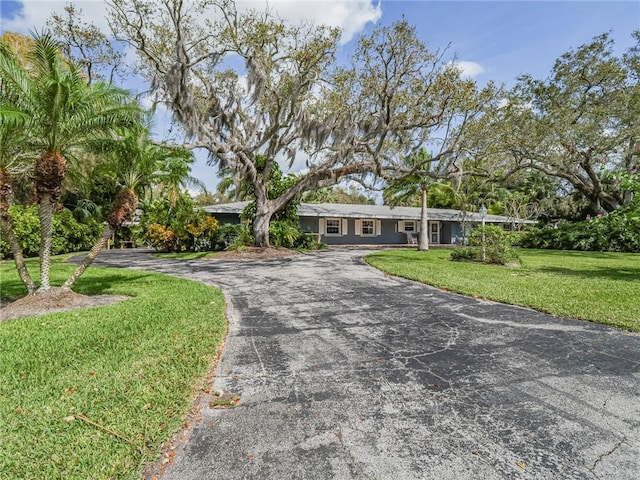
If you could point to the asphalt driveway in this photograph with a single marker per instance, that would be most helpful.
(346, 373)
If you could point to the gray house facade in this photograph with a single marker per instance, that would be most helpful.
(342, 224)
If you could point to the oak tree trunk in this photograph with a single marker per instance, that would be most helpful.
(262, 218)
(261, 229)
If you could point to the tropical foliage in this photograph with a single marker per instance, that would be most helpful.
(69, 235)
(177, 226)
(619, 231)
(50, 100)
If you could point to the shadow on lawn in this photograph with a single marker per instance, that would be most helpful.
(104, 283)
(626, 275)
(14, 289)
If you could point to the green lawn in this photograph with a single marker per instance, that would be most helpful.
(133, 367)
(187, 255)
(596, 286)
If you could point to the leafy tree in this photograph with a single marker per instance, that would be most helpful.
(577, 124)
(281, 98)
(338, 194)
(60, 112)
(18, 44)
(86, 45)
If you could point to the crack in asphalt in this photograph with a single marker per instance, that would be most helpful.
(419, 383)
(606, 454)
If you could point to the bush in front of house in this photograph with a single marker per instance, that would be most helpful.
(231, 236)
(69, 235)
(283, 233)
(619, 231)
(497, 247)
(178, 226)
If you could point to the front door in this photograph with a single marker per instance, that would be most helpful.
(434, 232)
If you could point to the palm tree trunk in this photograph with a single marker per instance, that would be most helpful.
(90, 257)
(124, 206)
(423, 244)
(16, 250)
(46, 233)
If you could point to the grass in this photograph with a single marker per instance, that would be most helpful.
(133, 368)
(596, 286)
(187, 255)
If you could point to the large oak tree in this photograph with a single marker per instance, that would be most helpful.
(579, 125)
(254, 90)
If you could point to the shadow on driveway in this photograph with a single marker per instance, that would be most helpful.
(344, 372)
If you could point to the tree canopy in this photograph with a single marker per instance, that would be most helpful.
(255, 90)
(578, 125)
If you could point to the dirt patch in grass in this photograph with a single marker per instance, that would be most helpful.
(57, 300)
(255, 253)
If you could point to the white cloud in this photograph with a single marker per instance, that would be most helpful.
(35, 13)
(350, 15)
(469, 69)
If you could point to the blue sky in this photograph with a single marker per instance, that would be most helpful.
(498, 40)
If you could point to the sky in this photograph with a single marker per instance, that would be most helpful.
(492, 40)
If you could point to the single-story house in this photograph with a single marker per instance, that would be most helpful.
(342, 224)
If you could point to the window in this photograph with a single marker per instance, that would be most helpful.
(333, 226)
(368, 227)
(409, 226)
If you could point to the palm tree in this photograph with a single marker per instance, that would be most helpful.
(172, 175)
(125, 204)
(420, 171)
(138, 164)
(13, 163)
(60, 111)
(231, 187)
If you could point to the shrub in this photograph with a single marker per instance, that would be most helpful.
(161, 238)
(618, 231)
(283, 234)
(178, 227)
(497, 247)
(231, 236)
(288, 235)
(466, 253)
(307, 241)
(203, 231)
(69, 235)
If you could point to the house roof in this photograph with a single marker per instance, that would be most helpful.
(343, 210)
